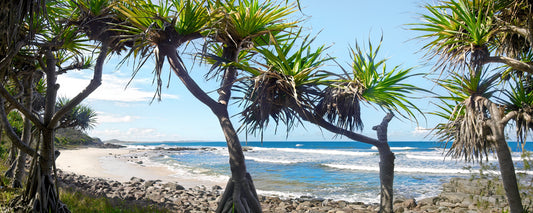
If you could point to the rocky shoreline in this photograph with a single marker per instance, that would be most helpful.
(459, 195)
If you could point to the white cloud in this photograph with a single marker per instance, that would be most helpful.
(421, 131)
(111, 118)
(112, 89)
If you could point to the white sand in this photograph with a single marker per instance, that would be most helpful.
(110, 164)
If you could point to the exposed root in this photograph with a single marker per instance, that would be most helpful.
(239, 196)
(40, 195)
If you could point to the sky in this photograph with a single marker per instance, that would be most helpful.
(128, 113)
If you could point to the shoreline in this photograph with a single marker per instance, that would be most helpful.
(119, 173)
(118, 164)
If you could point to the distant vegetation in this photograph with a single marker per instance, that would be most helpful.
(72, 137)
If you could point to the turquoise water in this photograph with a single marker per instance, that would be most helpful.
(332, 170)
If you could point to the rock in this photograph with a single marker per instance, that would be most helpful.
(136, 179)
(398, 209)
(150, 183)
(173, 186)
(216, 188)
(176, 198)
(109, 146)
(409, 204)
(428, 201)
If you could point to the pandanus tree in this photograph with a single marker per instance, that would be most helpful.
(159, 30)
(476, 119)
(464, 36)
(81, 117)
(289, 87)
(13, 36)
(61, 38)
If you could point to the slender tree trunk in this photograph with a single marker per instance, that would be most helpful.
(11, 160)
(240, 194)
(26, 131)
(510, 184)
(19, 170)
(47, 146)
(386, 166)
(386, 178)
(240, 187)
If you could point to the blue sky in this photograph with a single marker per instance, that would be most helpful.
(126, 113)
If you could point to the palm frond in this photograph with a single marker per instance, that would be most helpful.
(369, 81)
(467, 111)
(81, 117)
(242, 22)
(285, 83)
(520, 101)
(458, 32)
(154, 29)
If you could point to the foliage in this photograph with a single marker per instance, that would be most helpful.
(73, 137)
(520, 100)
(465, 111)
(458, 28)
(81, 117)
(288, 79)
(150, 25)
(15, 119)
(244, 23)
(368, 81)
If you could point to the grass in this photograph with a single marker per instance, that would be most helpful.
(80, 202)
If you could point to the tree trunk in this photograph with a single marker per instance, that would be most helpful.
(507, 171)
(26, 131)
(19, 170)
(47, 146)
(386, 166)
(11, 160)
(386, 178)
(240, 194)
(510, 184)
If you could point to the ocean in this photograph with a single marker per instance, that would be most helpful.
(329, 170)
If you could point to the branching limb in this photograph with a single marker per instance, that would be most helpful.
(190, 84)
(11, 133)
(514, 63)
(96, 81)
(17, 105)
(508, 117)
(382, 128)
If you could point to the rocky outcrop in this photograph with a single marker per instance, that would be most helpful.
(468, 195)
(109, 146)
(459, 195)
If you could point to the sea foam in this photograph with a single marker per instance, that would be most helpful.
(400, 169)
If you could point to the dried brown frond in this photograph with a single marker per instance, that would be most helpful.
(468, 130)
(340, 104)
(273, 95)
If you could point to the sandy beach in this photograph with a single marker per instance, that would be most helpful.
(117, 164)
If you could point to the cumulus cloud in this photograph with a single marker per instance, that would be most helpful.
(421, 131)
(112, 88)
(111, 118)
